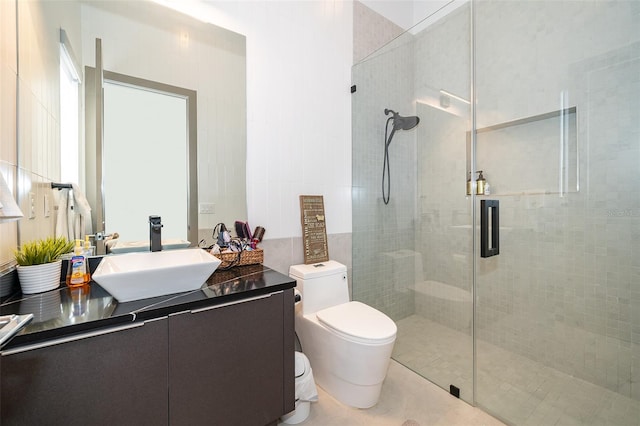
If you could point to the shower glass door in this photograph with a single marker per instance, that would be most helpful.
(558, 139)
(441, 327)
(412, 257)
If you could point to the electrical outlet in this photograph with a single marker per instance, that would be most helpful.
(207, 208)
(32, 205)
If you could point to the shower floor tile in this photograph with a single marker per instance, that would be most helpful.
(515, 388)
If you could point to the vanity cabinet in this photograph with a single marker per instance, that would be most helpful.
(226, 364)
(115, 376)
(232, 364)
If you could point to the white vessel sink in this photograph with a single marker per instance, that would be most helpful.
(134, 276)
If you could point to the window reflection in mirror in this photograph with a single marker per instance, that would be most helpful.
(69, 120)
(145, 163)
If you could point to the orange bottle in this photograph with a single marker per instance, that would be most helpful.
(78, 271)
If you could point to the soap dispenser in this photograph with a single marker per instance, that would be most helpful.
(469, 184)
(88, 251)
(78, 272)
(480, 183)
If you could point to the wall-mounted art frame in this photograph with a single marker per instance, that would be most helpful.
(314, 231)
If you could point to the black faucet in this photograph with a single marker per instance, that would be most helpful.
(155, 233)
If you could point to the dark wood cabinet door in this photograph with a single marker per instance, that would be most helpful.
(114, 378)
(227, 364)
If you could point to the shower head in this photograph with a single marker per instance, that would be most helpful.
(399, 123)
(406, 123)
(402, 123)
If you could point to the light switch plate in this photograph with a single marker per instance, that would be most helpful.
(32, 205)
(207, 208)
(47, 206)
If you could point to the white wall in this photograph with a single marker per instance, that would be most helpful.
(299, 57)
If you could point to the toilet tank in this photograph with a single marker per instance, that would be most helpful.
(322, 285)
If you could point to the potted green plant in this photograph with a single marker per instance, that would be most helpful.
(39, 264)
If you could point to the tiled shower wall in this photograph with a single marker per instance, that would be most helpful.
(370, 31)
(383, 235)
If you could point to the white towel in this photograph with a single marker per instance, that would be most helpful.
(62, 218)
(83, 212)
(74, 214)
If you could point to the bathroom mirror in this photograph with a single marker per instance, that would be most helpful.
(149, 41)
(148, 131)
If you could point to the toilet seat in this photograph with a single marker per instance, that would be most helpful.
(358, 322)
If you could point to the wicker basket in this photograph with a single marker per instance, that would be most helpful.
(247, 257)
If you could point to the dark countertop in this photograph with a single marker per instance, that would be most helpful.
(66, 311)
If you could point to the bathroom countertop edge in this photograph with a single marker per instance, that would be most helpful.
(223, 287)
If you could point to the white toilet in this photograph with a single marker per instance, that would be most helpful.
(349, 344)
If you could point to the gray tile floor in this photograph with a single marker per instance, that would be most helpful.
(519, 390)
(407, 399)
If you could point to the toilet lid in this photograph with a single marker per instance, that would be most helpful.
(358, 321)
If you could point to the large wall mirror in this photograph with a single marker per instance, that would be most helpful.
(150, 42)
(149, 134)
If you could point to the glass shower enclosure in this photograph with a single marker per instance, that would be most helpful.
(538, 320)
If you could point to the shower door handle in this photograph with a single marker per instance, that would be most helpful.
(489, 228)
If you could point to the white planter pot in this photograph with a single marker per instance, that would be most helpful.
(39, 278)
